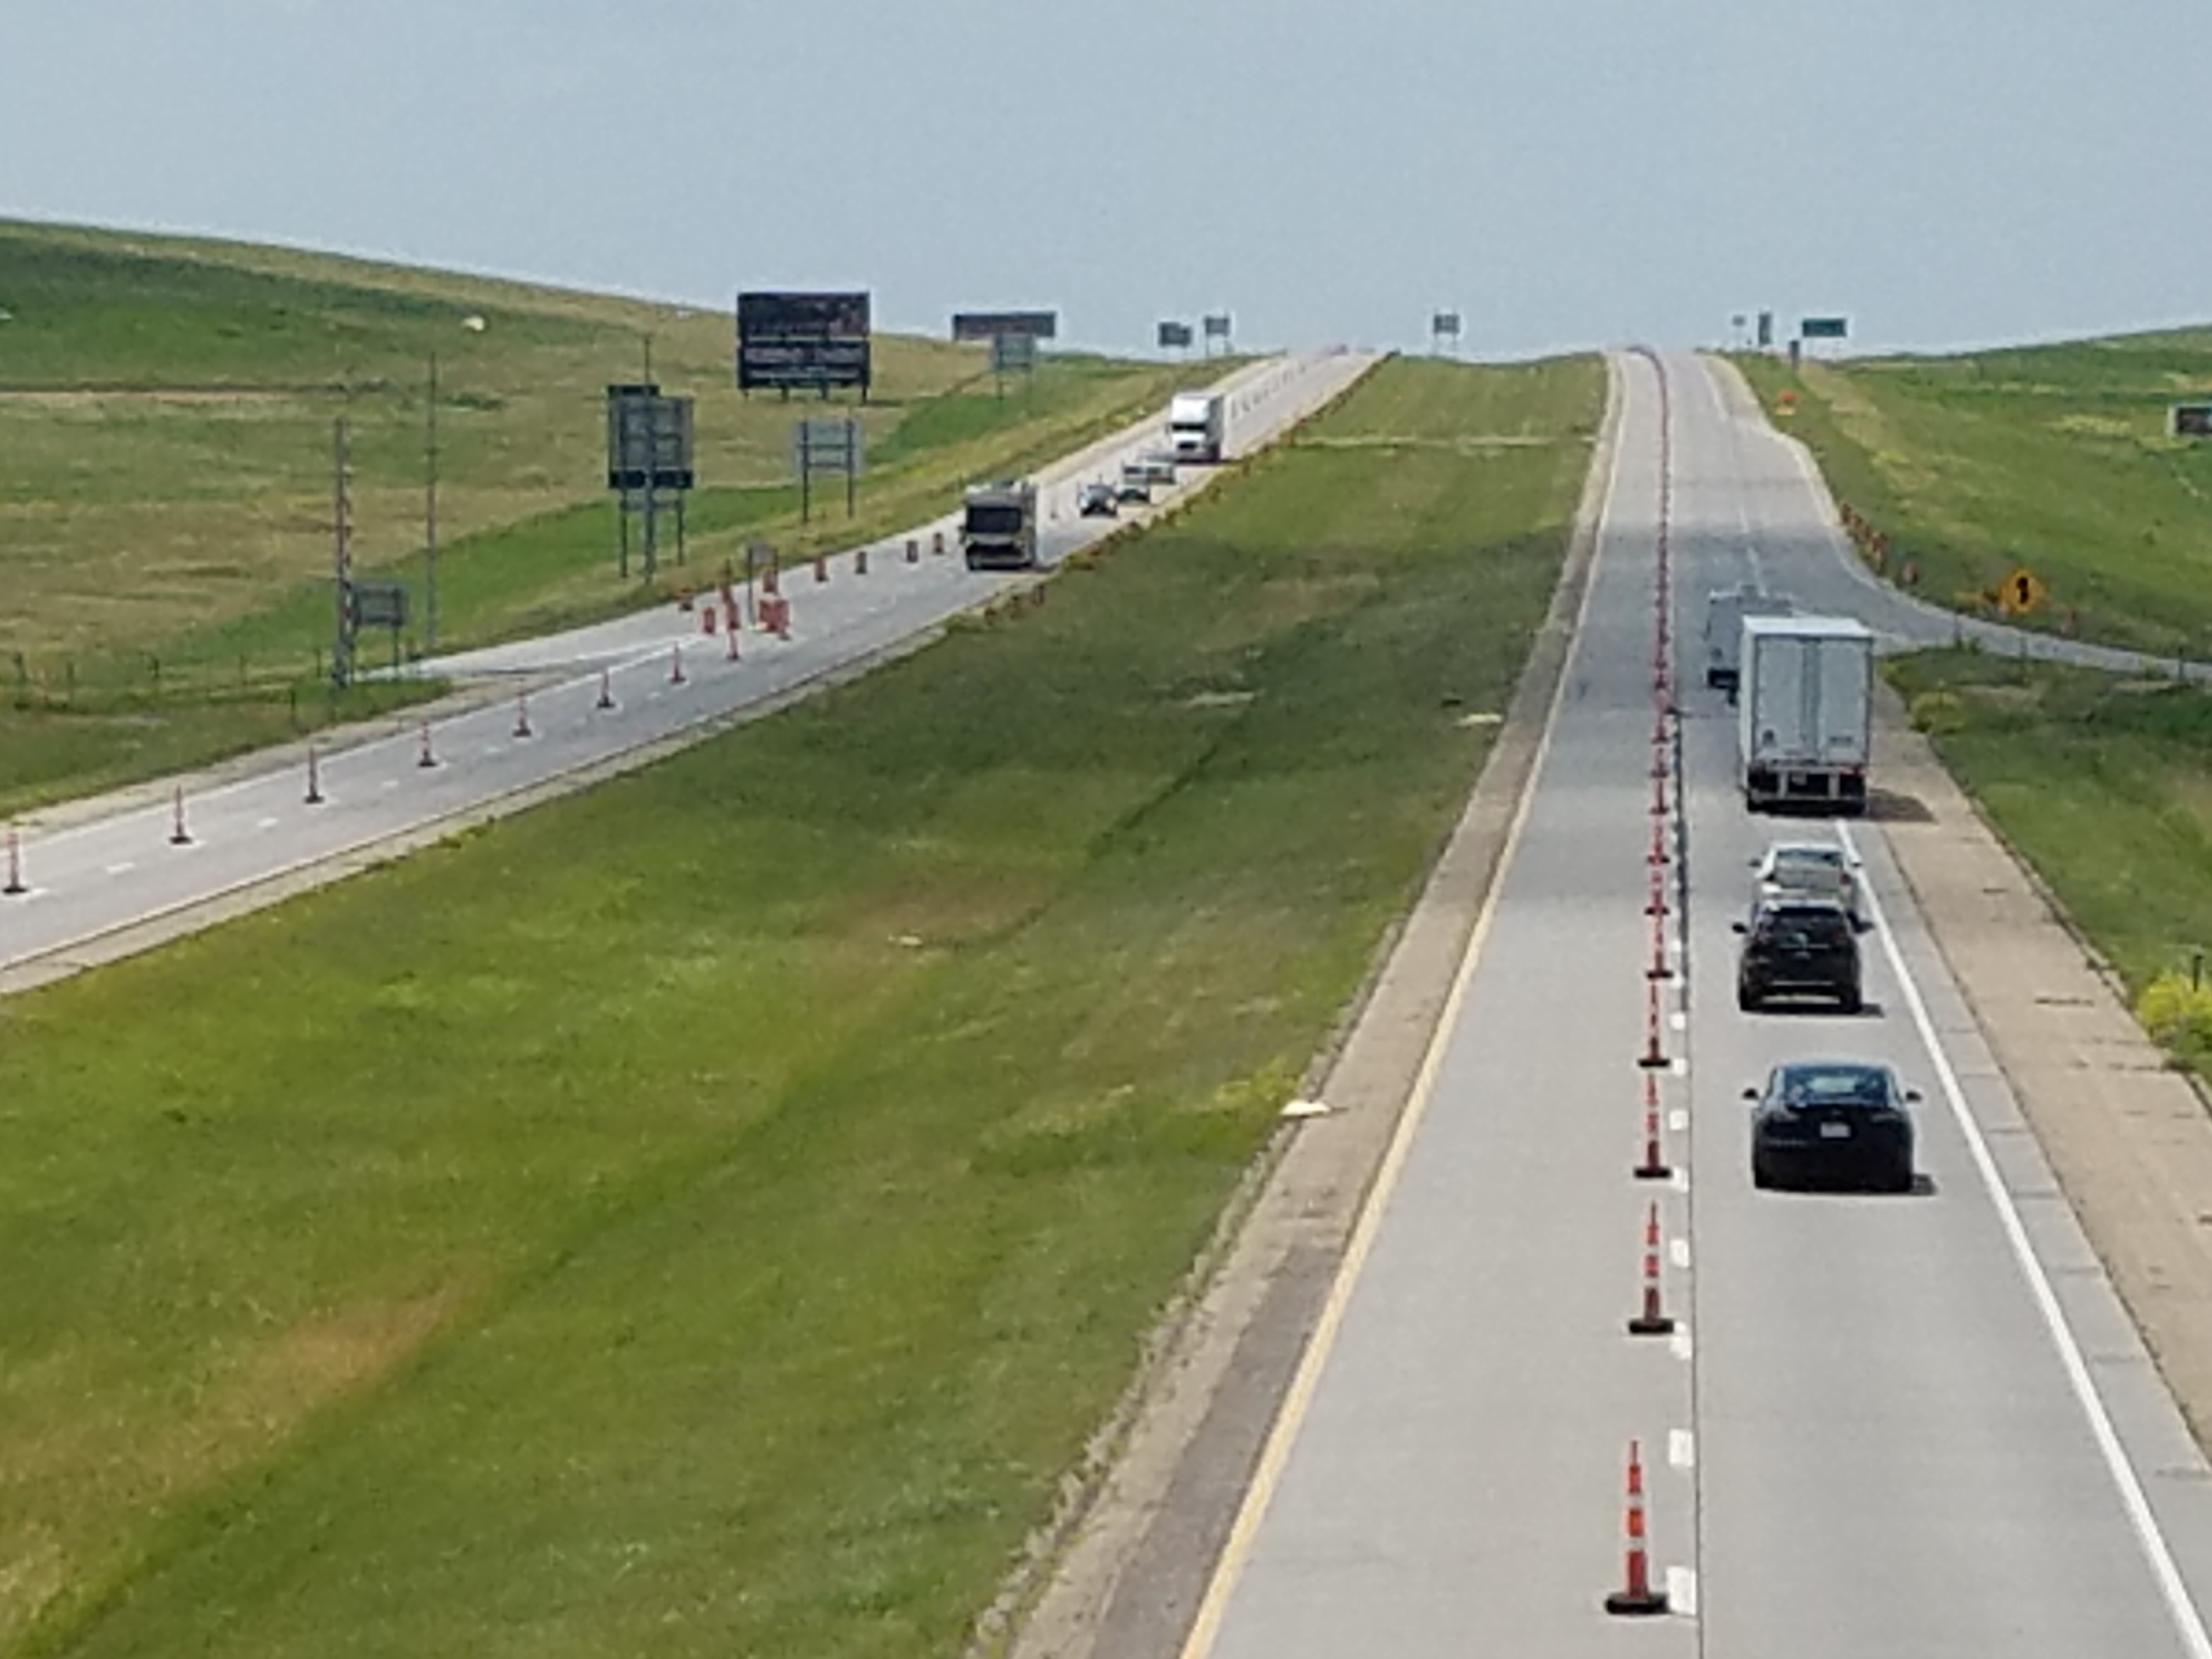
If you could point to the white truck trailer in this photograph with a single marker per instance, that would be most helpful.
(1197, 426)
(999, 527)
(1725, 609)
(1805, 712)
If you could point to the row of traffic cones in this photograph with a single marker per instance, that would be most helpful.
(426, 759)
(1637, 1595)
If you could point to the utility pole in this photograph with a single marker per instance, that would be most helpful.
(342, 532)
(430, 515)
(652, 406)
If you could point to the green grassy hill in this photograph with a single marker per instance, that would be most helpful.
(2054, 458)
(167, 409)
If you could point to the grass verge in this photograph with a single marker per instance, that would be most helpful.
(708, 1214)
(2050, 458)
(2104, 786)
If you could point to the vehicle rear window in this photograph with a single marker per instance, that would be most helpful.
(1800, 928)
(1836, 1086)
(994, 520)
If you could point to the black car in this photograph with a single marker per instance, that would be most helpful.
(1798, 947)
(1096, 501)
(1832, 1120)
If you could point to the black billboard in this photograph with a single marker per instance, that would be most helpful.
(1173, 335)
(812, 341)
(989, 324)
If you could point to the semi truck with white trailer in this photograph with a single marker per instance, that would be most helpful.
(999, 527)
(1804, 713)
(1197, 426)
(1725, 609)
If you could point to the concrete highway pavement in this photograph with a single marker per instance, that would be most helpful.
(583, 701)
(1909, 1425)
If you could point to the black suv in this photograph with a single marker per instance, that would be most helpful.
(1798, 947)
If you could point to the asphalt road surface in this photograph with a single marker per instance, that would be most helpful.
(1899, 1425)
(579, 700)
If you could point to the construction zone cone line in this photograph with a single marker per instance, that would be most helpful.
(1654, 1057)
(1651, 1320)
(1654, 1167)
(1636, 1598)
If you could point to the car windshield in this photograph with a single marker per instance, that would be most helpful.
(994, 520)
(1830, 1086)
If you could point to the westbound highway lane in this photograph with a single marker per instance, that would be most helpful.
(1910, 1425)
(582, 702)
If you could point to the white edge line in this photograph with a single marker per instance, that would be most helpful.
(2188, 1623)
(1282, 1434)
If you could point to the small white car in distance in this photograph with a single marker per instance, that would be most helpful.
(1812, 869)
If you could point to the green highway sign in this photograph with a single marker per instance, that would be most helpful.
(1822, 328)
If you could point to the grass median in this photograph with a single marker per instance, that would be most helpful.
(708, 1214)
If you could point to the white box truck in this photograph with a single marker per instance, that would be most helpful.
(1805, 712)
(999, 527)
(1725, 609)
(1197, 426)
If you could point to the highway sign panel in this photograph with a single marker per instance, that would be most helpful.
(828, 446)
(2188, 421)
(649, 443)
(989, 325)
(379, 605)
(2021, 592)
(814, 341)
(1823, 328)
(1013, 354)
(1175, 336)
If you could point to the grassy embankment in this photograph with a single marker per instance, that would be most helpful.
(166, 414)
(708, 1214)
(2054, 458)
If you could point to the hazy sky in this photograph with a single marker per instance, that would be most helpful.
(1565, 173)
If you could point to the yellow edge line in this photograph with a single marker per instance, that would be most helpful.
(1275, 1454)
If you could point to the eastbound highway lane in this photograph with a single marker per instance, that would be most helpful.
(1924, 1425)
(1904, 1426)
(593, 696)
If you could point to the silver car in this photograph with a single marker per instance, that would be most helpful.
(1811, 869)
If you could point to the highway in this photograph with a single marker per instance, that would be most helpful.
(98, 877)
(1899, 1425)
